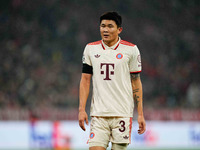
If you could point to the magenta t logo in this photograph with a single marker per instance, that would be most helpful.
(107, 71)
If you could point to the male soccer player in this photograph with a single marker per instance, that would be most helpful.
(114, 65)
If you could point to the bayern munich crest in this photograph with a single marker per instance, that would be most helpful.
(119, 56)
(92, 135)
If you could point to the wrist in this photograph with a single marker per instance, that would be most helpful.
(81, 110)
(140, 115)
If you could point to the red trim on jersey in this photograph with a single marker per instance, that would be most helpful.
(102, 45)
(130, 128)
(126, 43)
(95, 43)
(116, 46)
(136, 72)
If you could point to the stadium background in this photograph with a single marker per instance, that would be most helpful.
(41, 46)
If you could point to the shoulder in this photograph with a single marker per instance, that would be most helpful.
(126, 43)
(95, 43)
(130, 47)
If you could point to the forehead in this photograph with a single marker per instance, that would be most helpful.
(108, 22)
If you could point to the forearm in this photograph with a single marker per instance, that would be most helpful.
(83, 93)
(137, 93)
(138, 97)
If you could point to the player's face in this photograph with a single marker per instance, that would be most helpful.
(109, 32)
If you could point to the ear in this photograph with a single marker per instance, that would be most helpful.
(120, 30)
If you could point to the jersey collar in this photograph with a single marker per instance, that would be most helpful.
(114, 47)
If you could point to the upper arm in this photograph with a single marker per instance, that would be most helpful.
(87, 69)
(87, 65)
(86, 56)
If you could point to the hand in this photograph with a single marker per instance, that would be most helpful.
(142, 124)
(82, 117)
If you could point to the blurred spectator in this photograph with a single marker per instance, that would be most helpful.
(42, 43)
(193, 95)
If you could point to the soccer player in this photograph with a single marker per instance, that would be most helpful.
(115, 66)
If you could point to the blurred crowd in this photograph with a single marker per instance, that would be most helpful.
(41, 46)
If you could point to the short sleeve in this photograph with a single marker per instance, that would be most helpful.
(135, 61)
(86, 57)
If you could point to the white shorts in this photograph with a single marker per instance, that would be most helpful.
(110, 129)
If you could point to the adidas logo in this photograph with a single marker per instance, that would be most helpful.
(125, 137)
(97, 55)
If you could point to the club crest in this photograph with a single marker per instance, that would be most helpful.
(92, 135)
(119, 56)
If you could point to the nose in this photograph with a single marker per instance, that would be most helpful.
(105, 29)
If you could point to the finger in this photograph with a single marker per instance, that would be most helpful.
(81, 124)
(138, 131)
(142, 129)
(83, 127)
(140, 125)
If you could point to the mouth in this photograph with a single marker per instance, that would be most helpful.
(105, 35)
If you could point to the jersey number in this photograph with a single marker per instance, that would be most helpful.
(123, 128)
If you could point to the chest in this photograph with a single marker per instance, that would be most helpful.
(117, 57)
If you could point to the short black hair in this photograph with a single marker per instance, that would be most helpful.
(112, 16)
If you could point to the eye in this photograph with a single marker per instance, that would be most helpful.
(102, 25)
(110, 26)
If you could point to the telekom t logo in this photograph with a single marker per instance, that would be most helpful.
(107, 71)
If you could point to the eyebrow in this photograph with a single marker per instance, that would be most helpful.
(107, 24)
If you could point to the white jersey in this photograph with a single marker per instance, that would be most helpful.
(112, 90)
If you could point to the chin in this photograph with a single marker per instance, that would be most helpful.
(106, 40)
